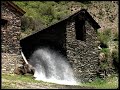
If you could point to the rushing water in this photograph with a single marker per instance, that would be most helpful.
(51, 66)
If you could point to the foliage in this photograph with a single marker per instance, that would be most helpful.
(104, 37)
(32, 24)
(115, 55)
(115, 58)
(41, 14)
(115, 36)
(104, 64)
(109, 83)
(106, 51)
(85, 2)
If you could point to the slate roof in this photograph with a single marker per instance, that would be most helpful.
(18, 9)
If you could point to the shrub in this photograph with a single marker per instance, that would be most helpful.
(115, 59)
(104, 64)
(115, 37)
(115, 56)
(85, 2)
(106, 51)
(104, 37)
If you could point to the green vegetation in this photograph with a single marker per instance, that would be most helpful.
(109, 83)
(109, 44)
(24, 78)
(41, 14)
(104, 37)
(12, 81)
(115, 55)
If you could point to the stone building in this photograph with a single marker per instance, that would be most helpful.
(10, 34)
(75, 37)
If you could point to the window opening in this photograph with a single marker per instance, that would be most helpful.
(3, 22)
(80, 29)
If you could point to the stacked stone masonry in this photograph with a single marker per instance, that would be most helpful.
(10, 37)
(10, 34)
(10, 62)
(83, 55)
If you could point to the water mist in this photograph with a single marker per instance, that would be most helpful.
(51, 66)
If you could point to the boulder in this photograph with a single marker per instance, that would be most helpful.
(26, 68)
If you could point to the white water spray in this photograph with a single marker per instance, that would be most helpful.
(50, 66)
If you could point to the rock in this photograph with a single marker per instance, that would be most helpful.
(27, 68)
(101, 56)
(19, 71)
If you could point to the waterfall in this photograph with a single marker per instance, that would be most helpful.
(51, 66)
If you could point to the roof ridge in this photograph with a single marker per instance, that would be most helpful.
(15, 7)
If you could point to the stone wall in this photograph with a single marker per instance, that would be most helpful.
(83, 55)
(10, 62)
(10, 34)
(10, 38)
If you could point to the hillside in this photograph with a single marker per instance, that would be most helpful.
(40, 14)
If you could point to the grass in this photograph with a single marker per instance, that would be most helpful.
(109, 83)
(12, 81)
(17, 77)
(23, 78)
